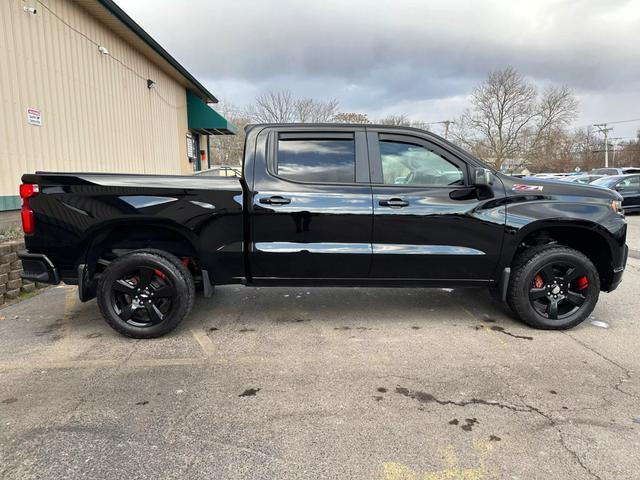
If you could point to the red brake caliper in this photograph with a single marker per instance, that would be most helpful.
(583, 283)
(159, 273)
(538, 281)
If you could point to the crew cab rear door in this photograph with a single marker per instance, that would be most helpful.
(429, 223)
(311, 210)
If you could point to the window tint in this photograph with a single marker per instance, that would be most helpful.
(408, 164)
(317, 160)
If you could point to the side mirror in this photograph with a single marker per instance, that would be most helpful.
(619, 188)
(482, 177)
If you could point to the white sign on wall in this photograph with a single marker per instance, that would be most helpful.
(191, 147)
(34, 117)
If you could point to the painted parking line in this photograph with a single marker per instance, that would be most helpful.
(452, 470)
(484, 327)
(101, 363)
(204, 341)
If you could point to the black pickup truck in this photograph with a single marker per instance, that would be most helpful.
(324, 205)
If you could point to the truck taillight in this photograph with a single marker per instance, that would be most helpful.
(28, 190)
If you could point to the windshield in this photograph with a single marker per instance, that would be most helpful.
(606, 181)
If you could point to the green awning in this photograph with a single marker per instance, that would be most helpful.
(204, 119)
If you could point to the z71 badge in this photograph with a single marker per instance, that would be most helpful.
(519, 187)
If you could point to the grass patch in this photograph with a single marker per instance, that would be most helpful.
(13, 233)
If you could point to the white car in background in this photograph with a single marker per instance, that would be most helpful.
(587, 178)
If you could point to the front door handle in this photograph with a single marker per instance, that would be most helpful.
(276, 200)
(393, 203)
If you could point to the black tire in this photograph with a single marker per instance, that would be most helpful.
(145, 293)
(550, 275)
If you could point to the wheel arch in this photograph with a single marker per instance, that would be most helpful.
(127, 236)
(589, 238)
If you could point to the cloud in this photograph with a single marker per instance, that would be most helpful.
(374, 56)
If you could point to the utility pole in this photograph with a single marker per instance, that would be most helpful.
(614, 144)
(446, 124)
(446, 127)
(602, 128)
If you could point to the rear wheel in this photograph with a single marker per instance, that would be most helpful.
(145, 293)
(553, 287)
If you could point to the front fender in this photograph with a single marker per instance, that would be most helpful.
(526, 218)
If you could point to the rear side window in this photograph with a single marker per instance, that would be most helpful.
(317, 160)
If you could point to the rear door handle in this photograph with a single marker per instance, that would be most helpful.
(393, 203)
(275, 200)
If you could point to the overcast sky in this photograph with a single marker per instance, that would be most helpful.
(419, 58)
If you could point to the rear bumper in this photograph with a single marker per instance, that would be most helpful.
(38, 268)
(619, 271)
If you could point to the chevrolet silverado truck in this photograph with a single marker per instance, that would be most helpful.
(324, 205)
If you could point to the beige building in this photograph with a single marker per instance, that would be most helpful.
(84, 88)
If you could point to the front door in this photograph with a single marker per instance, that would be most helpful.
(429, 223)
(311, 209)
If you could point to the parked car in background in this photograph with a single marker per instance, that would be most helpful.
(324, 205)
(581, 178)
(549, 175)
(626, 185)
(614, 171)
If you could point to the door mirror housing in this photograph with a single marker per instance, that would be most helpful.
(482, 177)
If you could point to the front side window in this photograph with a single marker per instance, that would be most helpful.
(409, 164)
(317, 160)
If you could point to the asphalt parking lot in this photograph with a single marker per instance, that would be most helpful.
(281, 383)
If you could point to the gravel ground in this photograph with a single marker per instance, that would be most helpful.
(322, 383)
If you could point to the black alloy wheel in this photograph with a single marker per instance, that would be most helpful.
(145, 293)
(143, 297)
(558, 290)
(553, 287)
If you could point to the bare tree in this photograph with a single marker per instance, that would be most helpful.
(228, 149)
(396, 120)
(628, 153)
(274, 107)
(351, 117)
(315, 111)
(403, 121)
(508, 118)
(282, 107)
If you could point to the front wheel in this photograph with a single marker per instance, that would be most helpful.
(145, 293)
(553, 287)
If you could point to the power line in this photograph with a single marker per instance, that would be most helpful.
(626, 121)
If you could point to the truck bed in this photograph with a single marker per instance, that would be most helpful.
(75, 210)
